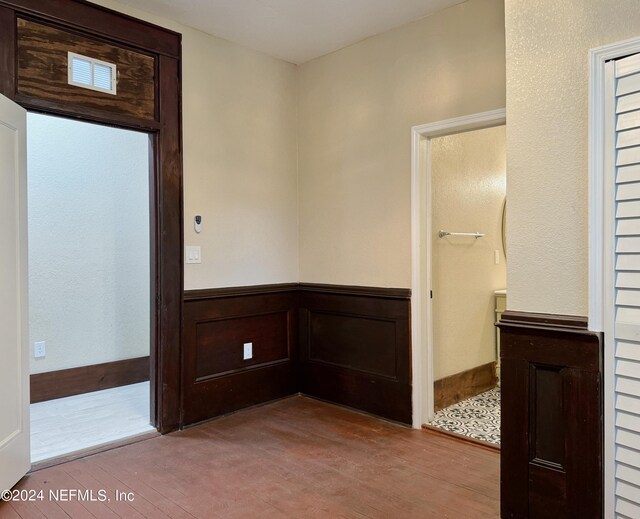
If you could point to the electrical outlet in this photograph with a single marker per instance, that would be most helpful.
(248, 351)
(39, 349)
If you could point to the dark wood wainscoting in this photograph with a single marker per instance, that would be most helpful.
(85, 379)
(552, 417)
(466, 384)
(355, 348)
(217, 324)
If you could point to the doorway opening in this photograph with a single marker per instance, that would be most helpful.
(90, 303)
(422, 229)
(468, 280)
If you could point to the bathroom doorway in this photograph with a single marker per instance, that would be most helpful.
(468, 280)
(423, 235)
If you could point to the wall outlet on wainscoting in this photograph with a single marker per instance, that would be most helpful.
(248, 351)
(39, 349)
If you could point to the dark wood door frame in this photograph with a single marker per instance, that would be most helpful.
(101, 24)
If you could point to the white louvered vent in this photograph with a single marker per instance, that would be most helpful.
(627, 286)
(91, 73)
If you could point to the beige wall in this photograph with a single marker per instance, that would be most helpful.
(240, 160)
(356, 110)
(468, 189)
(547, 46)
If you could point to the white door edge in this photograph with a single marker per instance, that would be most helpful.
(15, 456)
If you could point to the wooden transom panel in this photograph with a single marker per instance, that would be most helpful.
(42, 71)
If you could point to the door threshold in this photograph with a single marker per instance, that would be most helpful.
(460, 437)
(90, 451)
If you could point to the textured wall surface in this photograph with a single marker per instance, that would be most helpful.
(468, 186)
(88, 188)
(240, 159)
(240, 164)
(349, 148)
(356, 110)
(547, 153)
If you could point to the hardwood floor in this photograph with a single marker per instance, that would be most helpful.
(295, 458)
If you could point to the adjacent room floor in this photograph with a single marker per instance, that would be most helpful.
(477, 417)
(79, 422)
(295, 458)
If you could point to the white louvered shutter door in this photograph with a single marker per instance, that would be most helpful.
(626, 322)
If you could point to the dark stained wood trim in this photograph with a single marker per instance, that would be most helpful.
(386, 293)
(96, 22)
(169, 245)
(216, 293)
(88, 114)
(213, 293)
(8, 52)
(466, 384)
(109, 24)
(572, 354)
(85, 379)
(236, 371)
(545, 321)
(552, 417)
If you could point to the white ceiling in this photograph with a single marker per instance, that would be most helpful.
(293, 30)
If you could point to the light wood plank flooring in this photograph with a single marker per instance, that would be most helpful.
(79, 422)
(296, 458)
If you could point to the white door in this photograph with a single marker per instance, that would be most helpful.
(14, 344)
(622, 334)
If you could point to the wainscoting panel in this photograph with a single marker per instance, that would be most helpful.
(355, 348)
(332, 343)
(217, 324)
(552, 421)
(217, 343)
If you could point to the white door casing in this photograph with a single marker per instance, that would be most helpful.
(14, 342)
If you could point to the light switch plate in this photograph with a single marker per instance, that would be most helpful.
(39, 349)
(192, 254)
(248, 351)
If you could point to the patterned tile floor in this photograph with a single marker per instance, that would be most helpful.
(477, 417)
